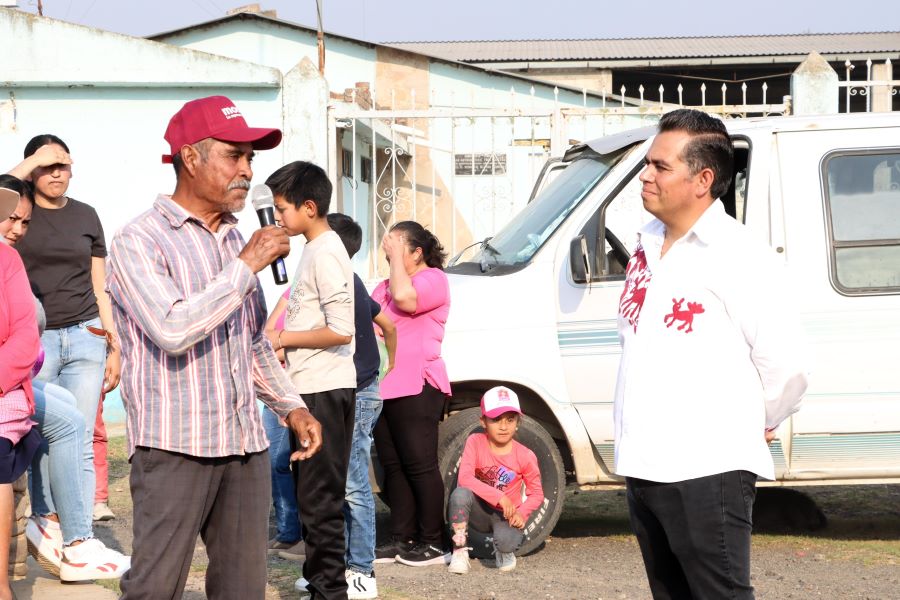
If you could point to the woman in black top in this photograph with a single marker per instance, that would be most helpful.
(64, 255)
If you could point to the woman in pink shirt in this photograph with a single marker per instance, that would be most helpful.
(416, 297)
(19, 346)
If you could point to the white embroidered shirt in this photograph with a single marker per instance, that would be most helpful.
(712, 353)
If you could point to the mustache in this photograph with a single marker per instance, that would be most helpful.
(242, 184)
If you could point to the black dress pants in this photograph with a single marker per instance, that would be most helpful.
(321, 482)
(406, 439)
(694, 535)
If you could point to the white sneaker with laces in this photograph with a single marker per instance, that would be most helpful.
(102, 512)
(459, 562)
(45, 543)
(91, 559)
(506, 561)
(360, 586)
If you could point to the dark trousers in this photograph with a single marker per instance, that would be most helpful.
(226, 500)
(320, 483)
(695, 535)
(406, 438)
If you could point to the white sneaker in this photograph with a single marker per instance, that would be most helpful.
(91, 559)
(360, 586)
(102, 512)
(459, 562)
(45, 543)
(506, 561)
(300, 585)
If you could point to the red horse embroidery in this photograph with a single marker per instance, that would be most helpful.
(637, 278)
(685, 316)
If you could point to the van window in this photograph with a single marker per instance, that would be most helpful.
(516, 243)
(623, 217)
(863, 208)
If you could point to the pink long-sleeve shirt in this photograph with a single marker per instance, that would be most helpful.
(19, 345)
(491, 476)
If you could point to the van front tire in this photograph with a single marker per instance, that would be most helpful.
(452, 439)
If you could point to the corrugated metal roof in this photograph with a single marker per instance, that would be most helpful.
(658, 48)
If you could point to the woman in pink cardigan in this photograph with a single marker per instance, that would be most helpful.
(19, 346)
(416, 297)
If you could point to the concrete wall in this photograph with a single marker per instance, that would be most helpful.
(281, 46)
(593, 80)
(814, 87)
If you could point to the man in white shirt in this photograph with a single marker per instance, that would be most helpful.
(713, 361)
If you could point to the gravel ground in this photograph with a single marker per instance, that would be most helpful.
(604, 568)
(592, 555)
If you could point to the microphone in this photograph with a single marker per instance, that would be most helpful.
(262, 200)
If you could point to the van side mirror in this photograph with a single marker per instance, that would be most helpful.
(579, 259)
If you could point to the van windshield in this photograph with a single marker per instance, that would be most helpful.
(524, 235)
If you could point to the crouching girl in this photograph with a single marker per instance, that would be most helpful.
(499, 484)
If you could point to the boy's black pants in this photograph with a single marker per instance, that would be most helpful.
(320, 483)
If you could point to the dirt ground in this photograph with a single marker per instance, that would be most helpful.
(592, 554)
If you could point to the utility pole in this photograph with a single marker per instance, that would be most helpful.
(40, 8)
(320, 37)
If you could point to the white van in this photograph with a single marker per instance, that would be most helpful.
(534, 307)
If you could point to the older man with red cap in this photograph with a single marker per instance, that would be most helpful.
(190, 315)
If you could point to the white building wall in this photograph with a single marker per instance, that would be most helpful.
(116, 139)
(282, 46)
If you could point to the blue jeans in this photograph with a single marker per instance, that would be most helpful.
(284, 499)
(56, 487)
(75, 359)
(359, 504)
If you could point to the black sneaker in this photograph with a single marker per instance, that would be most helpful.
(387, 552)
(423, 555)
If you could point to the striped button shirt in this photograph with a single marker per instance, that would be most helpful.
(190, 315)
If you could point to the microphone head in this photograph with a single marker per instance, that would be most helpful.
(261, 196)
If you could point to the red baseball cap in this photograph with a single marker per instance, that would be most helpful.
(214, 117)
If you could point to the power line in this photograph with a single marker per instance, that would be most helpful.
(90, 8)
(220, 12)
(204, 9)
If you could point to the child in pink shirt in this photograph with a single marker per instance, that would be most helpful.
(490, 497)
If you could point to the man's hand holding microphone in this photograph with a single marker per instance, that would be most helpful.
(264, 247)
(270, 244)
